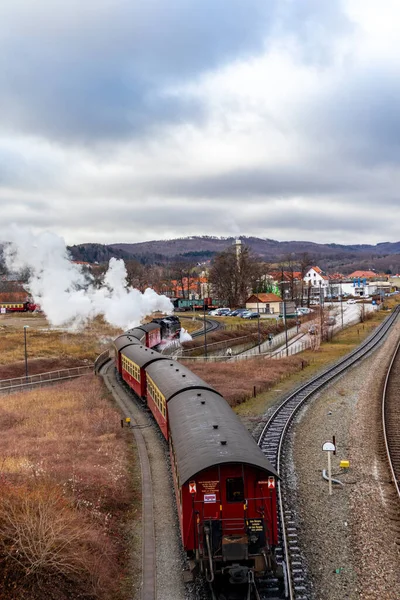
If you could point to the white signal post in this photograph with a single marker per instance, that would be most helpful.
(329, 447)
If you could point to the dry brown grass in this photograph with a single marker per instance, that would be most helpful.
(66, 493)
(236, 380)
(60, 348)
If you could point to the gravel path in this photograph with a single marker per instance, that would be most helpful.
(349, 538)
(169, 559)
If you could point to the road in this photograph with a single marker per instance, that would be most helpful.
(351, 315)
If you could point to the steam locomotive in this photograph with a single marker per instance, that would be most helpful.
(224, 485)
(162, 329)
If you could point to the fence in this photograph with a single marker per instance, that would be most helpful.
(18, 383)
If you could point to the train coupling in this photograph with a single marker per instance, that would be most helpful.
(238, 574)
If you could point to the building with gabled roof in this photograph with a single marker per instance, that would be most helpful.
(264, 303)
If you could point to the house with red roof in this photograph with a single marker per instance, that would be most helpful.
(317, 283)
(363, 274)
(264, 303)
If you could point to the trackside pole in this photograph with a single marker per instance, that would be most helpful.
(329, 448)
(329, 473)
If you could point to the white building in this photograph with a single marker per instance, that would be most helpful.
(317, 282)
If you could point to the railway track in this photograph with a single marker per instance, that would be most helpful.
(272, 441)
(211, 325)
(391, 418)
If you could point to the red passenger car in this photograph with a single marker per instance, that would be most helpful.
(165, 379)
(225, 488)
(134, 360)
(120, 343)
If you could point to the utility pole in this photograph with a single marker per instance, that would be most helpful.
(205, 329)
(341, 301)
(258, 327)
(283, 292)
(26, 354)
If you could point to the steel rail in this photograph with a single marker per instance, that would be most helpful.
(273, 437)
(211, 326)
(385, 402)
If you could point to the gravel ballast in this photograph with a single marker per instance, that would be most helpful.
(348, 539)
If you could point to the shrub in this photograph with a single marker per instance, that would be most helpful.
(46, 542)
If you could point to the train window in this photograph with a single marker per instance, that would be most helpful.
(235, 489)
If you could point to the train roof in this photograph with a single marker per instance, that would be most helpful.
(172, 377)
(138, 333)
(141, 355)
(125, 340)
(206, 432)
(148, 326)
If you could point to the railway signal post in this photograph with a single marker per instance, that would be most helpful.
(329, 447)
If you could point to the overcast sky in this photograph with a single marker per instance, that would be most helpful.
(132, 120)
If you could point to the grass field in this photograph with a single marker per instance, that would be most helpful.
(48, 349)
(67, 495)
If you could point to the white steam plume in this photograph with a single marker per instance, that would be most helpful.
(66, 294)
(184, 336)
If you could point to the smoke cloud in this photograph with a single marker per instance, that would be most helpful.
(67, 294)
(184, 336)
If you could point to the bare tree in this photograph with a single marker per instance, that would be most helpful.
(181, 271)
(304, 265)
(233, 275)
(135, 274)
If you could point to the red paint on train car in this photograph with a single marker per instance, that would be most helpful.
(236, 495)
(132, 382)
(162, 423)
(153, 338)
(118, 360)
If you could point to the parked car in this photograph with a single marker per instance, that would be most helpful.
(330, 321)
(238, 312)
(313, 330)
(220, 312)
(351, 301)
(251, 315)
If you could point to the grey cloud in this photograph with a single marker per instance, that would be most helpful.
(359, 117)
(89, 71)
(293, 179)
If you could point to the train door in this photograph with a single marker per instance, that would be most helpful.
(207, 513)
(233, 499)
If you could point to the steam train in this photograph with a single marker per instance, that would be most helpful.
(18, 307)
(224, 485)
(161, 329)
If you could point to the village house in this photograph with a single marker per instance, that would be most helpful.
(264, 303)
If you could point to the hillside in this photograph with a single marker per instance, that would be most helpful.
(332, 257)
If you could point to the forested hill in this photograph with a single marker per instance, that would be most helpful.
(344, 258)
